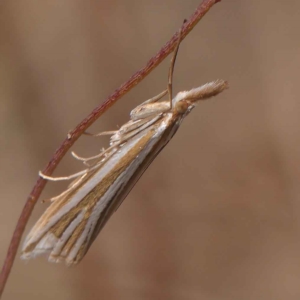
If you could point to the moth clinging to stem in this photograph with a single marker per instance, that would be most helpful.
(71, 223)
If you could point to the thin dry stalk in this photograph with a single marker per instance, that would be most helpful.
(136, 78)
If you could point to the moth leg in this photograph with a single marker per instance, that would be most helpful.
(104, 155)
(135, 113)
(75, 175)
(155, 98)
(113, 132)
(104, 152)
(150, 107)
(150, 110)
(81, 173)
(72, 185)
(81, 158)
(130, 126)
(101, 133)
(124, 135)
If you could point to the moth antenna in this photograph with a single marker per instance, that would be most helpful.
(172, 65)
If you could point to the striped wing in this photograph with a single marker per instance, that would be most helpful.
(74, 219)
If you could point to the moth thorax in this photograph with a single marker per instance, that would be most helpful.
(181, 106)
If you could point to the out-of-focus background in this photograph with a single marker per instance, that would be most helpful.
(216, 216)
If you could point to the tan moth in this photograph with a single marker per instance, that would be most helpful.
(71, 223)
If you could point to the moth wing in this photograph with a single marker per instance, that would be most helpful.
(74, 219)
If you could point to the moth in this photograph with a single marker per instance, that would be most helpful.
(71, 223)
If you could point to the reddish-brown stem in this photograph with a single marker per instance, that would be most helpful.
(201, 10)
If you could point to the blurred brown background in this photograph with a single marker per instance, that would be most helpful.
(216, 216)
